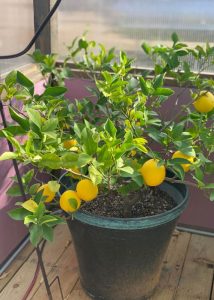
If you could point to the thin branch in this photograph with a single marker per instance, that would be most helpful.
(173, 180)
(76, 174)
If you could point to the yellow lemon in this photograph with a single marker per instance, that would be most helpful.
(69, 144)
(204, 103)
(69, 201)
(47, 192)
(179, 154)
(153, 174)
(86, 190)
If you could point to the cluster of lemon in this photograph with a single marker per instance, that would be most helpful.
(70, 200)
(154, 175)
(86, 190)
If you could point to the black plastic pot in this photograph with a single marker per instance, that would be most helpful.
(121, 259)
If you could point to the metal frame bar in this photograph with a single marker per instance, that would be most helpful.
(41, 10)
(48, 285)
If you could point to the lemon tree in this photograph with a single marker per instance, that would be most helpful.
(121, 141)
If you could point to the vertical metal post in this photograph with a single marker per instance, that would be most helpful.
(41, 10)
(4, 122)
(44, 275)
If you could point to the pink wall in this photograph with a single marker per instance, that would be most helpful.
(11, 232)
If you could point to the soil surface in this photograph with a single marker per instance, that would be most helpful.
(146, 202)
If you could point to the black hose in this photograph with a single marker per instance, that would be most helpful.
(36, 35)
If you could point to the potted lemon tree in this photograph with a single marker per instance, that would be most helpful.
(123, 183)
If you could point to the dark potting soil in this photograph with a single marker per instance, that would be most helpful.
(148, 201)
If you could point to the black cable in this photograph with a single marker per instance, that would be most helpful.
(37, 33)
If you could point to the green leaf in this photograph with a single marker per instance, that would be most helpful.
(40, 211)
(15, 143)
(13, 131)
(158, 81)
(146, 48)
(155, 135)
(24, 81)
(47, 233)
(90, 146)
(143, 86)
(55, 91)
(163, 92)
(138, 179)
(48, 219)
(36, 233)
(30, 219)
(188, 151)
(174, 37)
(27, 177)
(73, 203)
(18, 213)
(95, 175)
(14, 191)
(83, 44)
(8, 155)
(50, 125)
(52, 220)
(51, 161)
(10, 79)
(77, 130)
(139, 144)
(35, 117)
(183, 52)
(179, 161)
(34, 188)
(83, 160)
(54, 186)
(110, 128)
(128, 188)
(69, 160)
(37, 56)
(199, 174)
(39, 197)
(177, 131)
(179, 171)
(127, 169)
